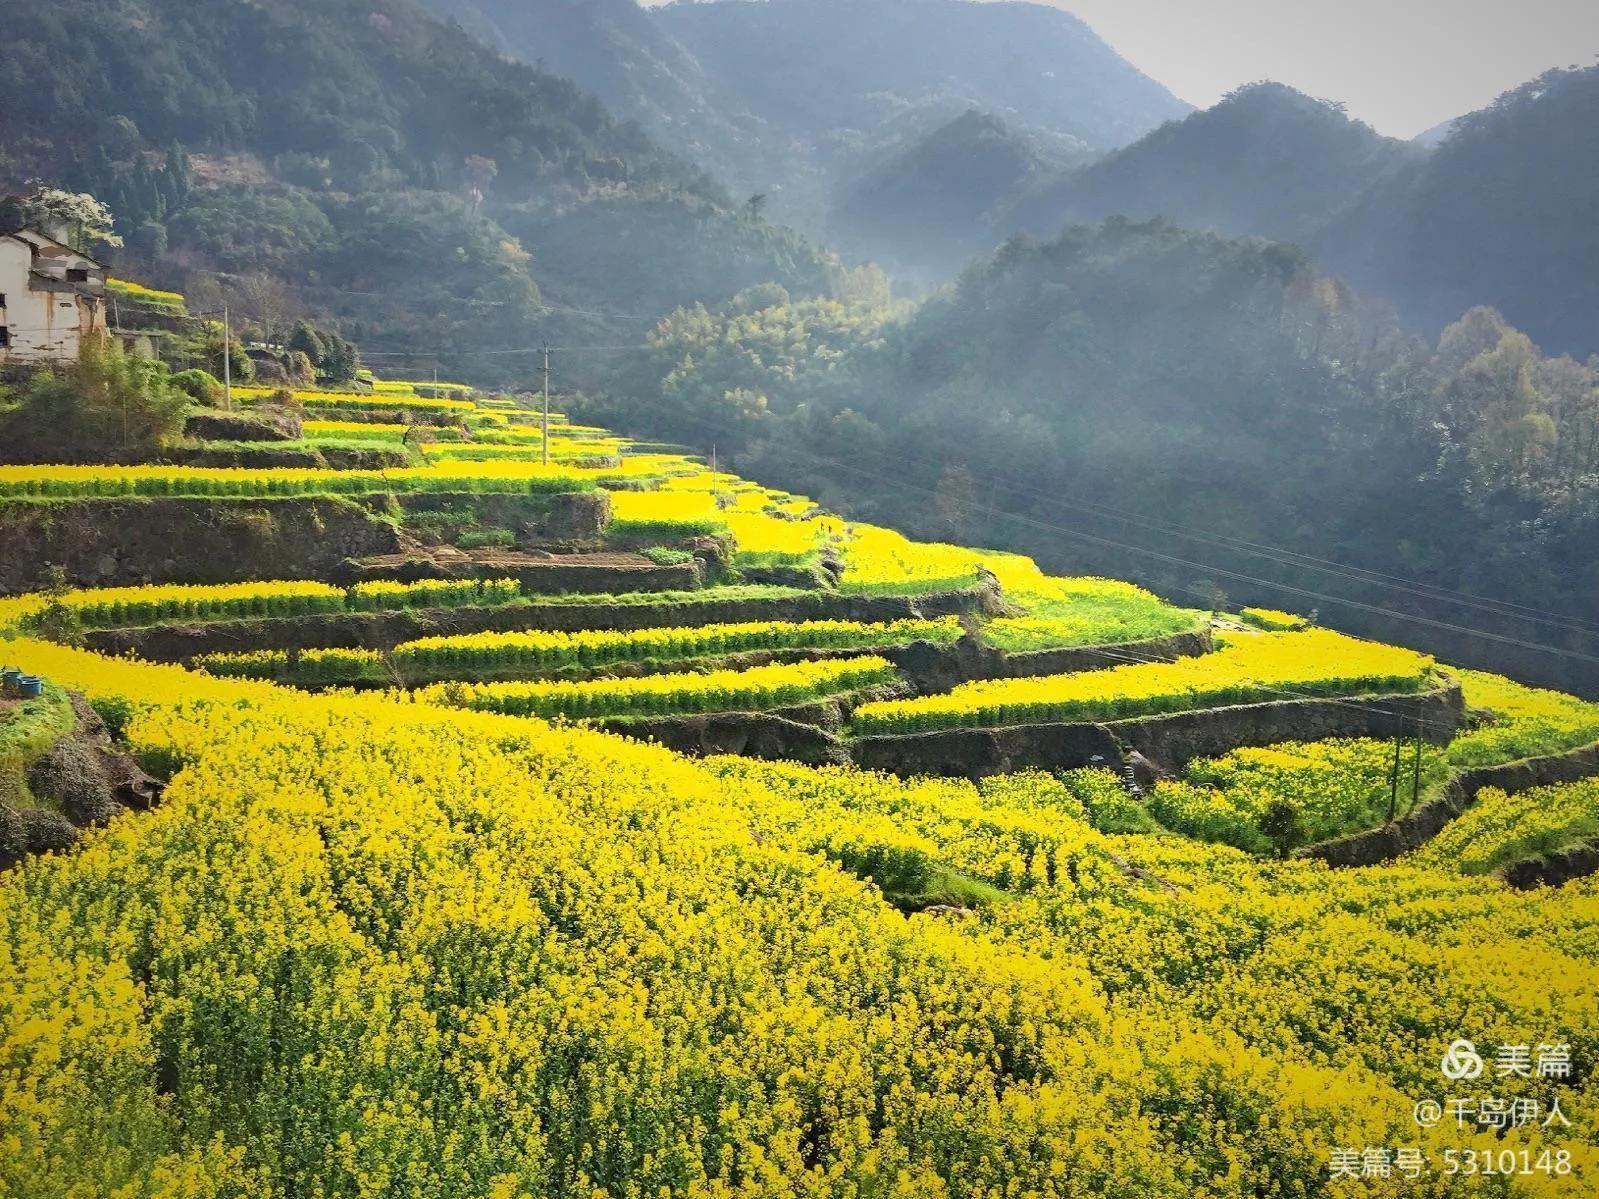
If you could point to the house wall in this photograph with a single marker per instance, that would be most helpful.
(44, 326)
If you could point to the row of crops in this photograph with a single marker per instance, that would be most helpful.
(1260, 667)
(127, 607)
(758, 689)
(337, 400)
(540, 652)
(485, 478)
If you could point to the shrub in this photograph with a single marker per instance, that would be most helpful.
(201, 386)
(662, 556)
(106, 407)
(1284, 826)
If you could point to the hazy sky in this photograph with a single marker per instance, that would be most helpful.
(1403, 65)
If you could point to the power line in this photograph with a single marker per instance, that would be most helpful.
(1291, 558)
(1499, 608)
(1109, 543)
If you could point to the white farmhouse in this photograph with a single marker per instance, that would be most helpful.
(51, 299)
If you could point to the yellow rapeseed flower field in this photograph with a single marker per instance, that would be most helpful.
(369, 949)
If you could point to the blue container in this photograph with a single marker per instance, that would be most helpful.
(10, 677)
(30, 687)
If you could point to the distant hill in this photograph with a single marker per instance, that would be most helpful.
(822, 68)
(929, 205)
(792, 99)
(1118, 381)
(381, 164)
(1504, 212)
(1267, 160)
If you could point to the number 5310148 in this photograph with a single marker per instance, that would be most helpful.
(1507, 1161)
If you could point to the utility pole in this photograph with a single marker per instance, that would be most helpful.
(227, 359)
(1415, 775)
(546, 405)
(1393, 776)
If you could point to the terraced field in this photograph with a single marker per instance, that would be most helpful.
(407, 923)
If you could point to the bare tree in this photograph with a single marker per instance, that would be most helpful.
(265, 302)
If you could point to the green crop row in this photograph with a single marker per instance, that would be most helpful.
(758, 689)
(486, 478)
(543, 651)
(312, 666)
(384, 596)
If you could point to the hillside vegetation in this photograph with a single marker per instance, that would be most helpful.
(1267, 160)
(395, 173)
(1148, 386)
(1500, 213)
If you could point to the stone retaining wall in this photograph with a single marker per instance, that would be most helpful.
(1168, 741)
(1557, 869)
(128, 542)
(559, 519)
(938, 668)
(749, 734)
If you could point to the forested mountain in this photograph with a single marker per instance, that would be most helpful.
(931, 204)
(1267, 160)
(1180, 380)
(633, 63)
(394, 172)
(1498, 207)
(1505, 212)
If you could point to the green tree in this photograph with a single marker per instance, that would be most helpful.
(1284, 826)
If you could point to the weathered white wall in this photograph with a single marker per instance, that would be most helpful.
(44, 326)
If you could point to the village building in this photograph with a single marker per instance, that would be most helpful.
(52, 299)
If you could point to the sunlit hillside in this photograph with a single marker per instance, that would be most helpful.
(546, 814)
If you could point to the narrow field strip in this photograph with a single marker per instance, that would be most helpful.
(1312, 663)
(551, 650)
(513, 478)
(758, 689)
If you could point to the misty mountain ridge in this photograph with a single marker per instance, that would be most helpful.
(1267, 160)
(794, 99)
(1504, 212)
(820, 68)
(934, 200)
